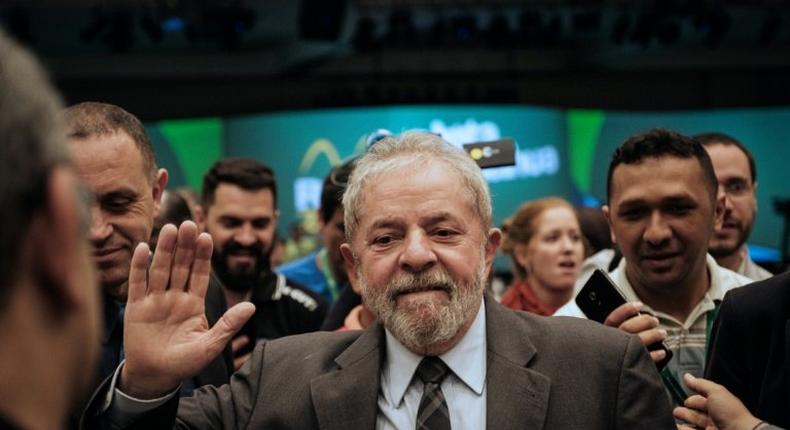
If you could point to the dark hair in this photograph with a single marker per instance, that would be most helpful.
(174, 208)
(713, 138)
(31, 145)
(334, 186)
(88, 119)
(245, 173)
(659, 142)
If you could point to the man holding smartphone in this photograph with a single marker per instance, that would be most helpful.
(663, 208)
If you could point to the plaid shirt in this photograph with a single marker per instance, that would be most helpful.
(687, 339)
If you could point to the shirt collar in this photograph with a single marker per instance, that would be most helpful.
(746, 259)
(467, 360)
(715, 290)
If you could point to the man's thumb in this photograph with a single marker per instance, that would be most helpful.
(231, 322)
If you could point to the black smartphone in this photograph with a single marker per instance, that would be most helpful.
(599, 297)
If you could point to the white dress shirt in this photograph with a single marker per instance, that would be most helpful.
(464, 389)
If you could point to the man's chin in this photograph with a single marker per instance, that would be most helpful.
(115, 284)
(664, 280)
(724, 248)
(239, 282)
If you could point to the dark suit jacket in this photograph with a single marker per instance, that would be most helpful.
(552, 373)
(219, 370)
(750, 348)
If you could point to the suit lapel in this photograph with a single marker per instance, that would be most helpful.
(348, 397)
(517, 396)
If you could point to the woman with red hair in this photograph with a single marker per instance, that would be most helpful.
(546, 245)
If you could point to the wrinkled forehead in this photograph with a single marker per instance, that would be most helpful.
(108, 152)
(408, 177)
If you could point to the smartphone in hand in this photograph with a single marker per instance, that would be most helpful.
(599, 297)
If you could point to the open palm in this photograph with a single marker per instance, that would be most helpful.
(166, 334)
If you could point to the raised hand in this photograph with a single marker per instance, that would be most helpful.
(166, 334)
(626, 317)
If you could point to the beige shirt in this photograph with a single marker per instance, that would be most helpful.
(752, 270)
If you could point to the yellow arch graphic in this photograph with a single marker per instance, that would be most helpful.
(361, 143)
(318, 147)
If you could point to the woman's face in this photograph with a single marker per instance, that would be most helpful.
(554, 255)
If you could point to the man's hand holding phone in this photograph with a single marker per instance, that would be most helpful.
(601, 301)
(627, 317)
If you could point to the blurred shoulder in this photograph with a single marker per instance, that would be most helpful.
(760, 296)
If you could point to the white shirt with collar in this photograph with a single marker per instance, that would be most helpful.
(464, 389)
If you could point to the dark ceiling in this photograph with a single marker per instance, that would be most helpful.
(171, 58)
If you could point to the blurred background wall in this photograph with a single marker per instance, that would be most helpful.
(300, 84)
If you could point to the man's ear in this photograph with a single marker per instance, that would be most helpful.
(55, 235)
(492, 244)
(350, 263)
(160, 182)
(608, 214)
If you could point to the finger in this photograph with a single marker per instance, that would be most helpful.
(622, 313)
(239, 343)
(137, 272)
(232, 321)
(201, 266)
(652, 336)
(159, 275)
(184, 256)
(697, 402)
(639, 323)
(239, 361)
(700, 385)
(657, 355)
(690, 416)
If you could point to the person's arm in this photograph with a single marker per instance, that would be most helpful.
(166, 334)
(715, 408)
(641, 399)
(229, 406)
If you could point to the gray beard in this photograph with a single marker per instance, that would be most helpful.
(420, 325)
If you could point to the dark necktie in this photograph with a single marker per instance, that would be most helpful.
(433, 413)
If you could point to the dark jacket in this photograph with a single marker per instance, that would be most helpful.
(750, 348)
(543, 373)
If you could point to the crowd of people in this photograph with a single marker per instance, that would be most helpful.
(130, 305)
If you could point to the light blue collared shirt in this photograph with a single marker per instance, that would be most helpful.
(464, 389)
